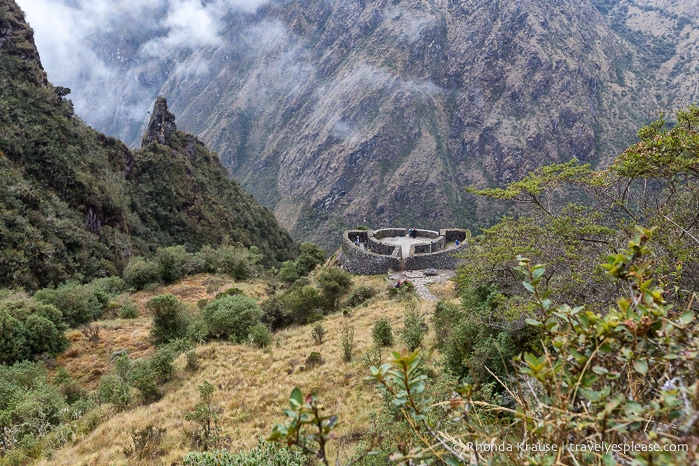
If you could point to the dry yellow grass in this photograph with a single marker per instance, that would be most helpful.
(252, 385)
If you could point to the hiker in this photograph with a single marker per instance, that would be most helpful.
(457, 242)
(356, 241)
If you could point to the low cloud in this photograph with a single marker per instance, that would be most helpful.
(115, 54)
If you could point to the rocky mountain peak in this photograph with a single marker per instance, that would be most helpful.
(17, 39)
(160, 125)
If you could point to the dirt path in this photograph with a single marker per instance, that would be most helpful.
(420, 280)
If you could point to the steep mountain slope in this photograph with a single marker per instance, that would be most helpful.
(77, 204)
(335, 114)
(379, 112)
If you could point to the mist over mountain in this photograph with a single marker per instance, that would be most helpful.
(76, 204)
(339, 113)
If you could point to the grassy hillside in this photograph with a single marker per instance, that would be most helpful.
(252, 385)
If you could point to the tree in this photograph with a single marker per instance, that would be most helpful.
(170, 320)
(333, 283)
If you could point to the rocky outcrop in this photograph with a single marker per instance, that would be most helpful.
(161, 124)
(17, 39)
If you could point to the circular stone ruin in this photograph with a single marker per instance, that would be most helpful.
(380, 251)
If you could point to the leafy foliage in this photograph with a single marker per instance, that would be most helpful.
(382, 333)
(264, 454)
(414, 327)
(360, 295)
(205, 414)
(170, 320)
(231, 317)
(333, 283)
(318, 333)
(347, 341)
(307, 427)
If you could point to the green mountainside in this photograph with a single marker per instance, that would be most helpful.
(338, 114)
(75, 203)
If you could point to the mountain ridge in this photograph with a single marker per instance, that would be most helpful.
(76, 204)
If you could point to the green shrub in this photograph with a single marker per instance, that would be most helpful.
(309, 257)
(360, 295)
(205, 414)
(144, 379)
(170, 320)
(111, 286)
(43, 336)
(347, 341)
(229, 292)
(160, 362)
(260, 335)
(264, 454)
(445, 318)
(231, 317)
(405, 292)
(314, 359)
(333, 283)
(305, 304)
(173, 263)
(413, 331)
(77, 303)
(382, 333)
(238, 262)
(276, 313)
(113, 389)
(318, 333)
(128, 310)
(13, 340)
(140, 273)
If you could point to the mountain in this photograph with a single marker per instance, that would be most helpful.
(336, 114)
(75, 203)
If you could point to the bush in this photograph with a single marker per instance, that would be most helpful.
(276, 313)
(77, 303)
(170, 321)
(333, 283)
(13, 340)
(314, 359)
(445, 318)
(110, 286)
(405, 292)
(260, 335)
(160, 362)
(318, 333)
(114, 390)
(382, 333)
(305, 304)
(173, 263)
(265, 454)
(231, 317)
(413, 328)
(360, 295)
(144, 379)
(140, 273)
(128, 310)
(206, 415)
(347, 342)
(240, 263)
(309, 257)
(229, 292)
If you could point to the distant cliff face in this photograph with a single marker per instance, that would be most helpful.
(336, 114)
(75, 203)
